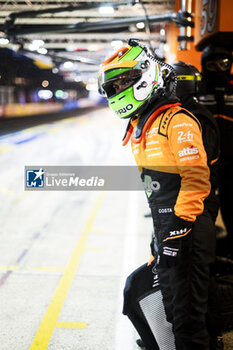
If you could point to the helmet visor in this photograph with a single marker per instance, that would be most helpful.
(121, 82)
(218, 65)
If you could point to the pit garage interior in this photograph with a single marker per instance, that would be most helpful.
(65, 254)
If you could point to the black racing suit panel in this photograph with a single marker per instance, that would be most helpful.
(185, 287)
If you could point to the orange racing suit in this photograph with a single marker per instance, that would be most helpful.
(170, 151)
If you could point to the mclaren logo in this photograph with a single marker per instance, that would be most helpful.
(125, 109)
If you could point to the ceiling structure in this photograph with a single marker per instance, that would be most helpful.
(79, 12)
(81, 32)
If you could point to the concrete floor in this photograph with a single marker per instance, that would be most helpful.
(64, 256)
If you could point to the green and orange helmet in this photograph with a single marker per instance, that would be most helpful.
(129, 79)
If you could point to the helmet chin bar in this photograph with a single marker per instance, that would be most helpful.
(137, 112)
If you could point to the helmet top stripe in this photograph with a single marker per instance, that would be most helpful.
(123, 54)
(116, 55)
(123, 64)
(132, 54)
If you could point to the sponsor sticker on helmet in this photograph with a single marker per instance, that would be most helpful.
(125, 109)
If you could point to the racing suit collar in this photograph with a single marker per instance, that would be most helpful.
(140, 124)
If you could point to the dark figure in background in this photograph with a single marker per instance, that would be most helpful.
(216, 94)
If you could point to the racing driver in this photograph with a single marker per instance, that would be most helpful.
(167, 145)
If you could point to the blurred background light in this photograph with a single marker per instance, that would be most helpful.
(45, 83)
(42, 50)
(106, 10)
(45, 94)
(4, 41)
(61, 94)
(68, 65)
(116, 44)
(162, 32)
(140, 25)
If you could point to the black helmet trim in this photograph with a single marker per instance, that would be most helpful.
(196, 77)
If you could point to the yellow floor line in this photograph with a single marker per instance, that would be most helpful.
(77, 325)
(94, 249)
(101, 232)
(6, 191)
(49, 321)
(21, 197)
(9, 268)
(54, 129)
(5, 148)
